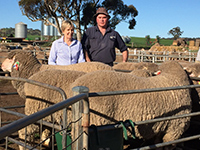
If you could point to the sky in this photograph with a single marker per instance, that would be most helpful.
(155, 17)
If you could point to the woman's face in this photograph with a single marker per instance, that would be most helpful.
(68, 32)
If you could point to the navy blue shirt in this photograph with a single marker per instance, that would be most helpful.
(100, 47)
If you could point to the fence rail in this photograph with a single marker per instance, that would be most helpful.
(134, 56)
(41, 55)
(26, 120)
(158, 57)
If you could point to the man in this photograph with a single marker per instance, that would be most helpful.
(99, 41)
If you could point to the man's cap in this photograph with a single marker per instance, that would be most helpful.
(101, 10)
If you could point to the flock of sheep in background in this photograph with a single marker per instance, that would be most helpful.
(99, 77)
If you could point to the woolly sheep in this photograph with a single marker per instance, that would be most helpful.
(41, 98)
(111, 106)
(24, 64)
(184, 63)
(193, 69)
(140, 107)
(141, 73)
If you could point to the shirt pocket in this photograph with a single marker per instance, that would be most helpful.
(112, 41)
(94, 42)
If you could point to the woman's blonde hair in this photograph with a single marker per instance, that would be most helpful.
(66, 24)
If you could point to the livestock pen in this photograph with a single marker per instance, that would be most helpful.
(134, 56)
(157, 56)
(81, 129)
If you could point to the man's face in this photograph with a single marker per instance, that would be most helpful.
(102, 20)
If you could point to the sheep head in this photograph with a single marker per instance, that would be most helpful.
(172, 68)
(7, 64)
(21, 64)
(193, 70)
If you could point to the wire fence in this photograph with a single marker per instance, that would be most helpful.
(157, 56)
(80, 128)
(134, 56)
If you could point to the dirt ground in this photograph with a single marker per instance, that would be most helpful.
(9, 100)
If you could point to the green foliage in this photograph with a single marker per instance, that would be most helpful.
(148, 40)
(166, 42)
(121, 12)
(39, 10)
(32, 34)
(139, 42)
(89, 10)
(5, 32)
(176, 32)
(32, 37)
(158, 39)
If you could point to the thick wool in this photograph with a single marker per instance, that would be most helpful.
(38, 98)
(152, 67)
(28, 65)
(41, 98)
(141, 73)
(184, 63)
(144, 106)
(54, 77)
(193, 69)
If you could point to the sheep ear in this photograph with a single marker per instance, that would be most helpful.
(157, 72)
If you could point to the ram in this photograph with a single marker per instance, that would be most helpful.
(143, 106)
(24, 64)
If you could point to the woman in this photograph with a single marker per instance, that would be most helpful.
(66, 50)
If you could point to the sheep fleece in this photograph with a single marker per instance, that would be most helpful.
(143, 106)
(29, 65)
(41, 97)
(152, 67)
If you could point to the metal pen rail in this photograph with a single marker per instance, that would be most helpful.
(63, 95)
(82, 96)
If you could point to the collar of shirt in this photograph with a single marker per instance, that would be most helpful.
(108, 29)
(61, 40)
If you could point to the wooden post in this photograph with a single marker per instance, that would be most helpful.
(80, 119)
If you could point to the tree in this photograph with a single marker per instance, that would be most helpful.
(158, 39)
(176, 32)
(148, 39)
(80, 12)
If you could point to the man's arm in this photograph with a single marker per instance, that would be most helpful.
(125, 56)
(84, 43)
(87, 56)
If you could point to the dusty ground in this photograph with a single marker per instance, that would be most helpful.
(9, 100)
